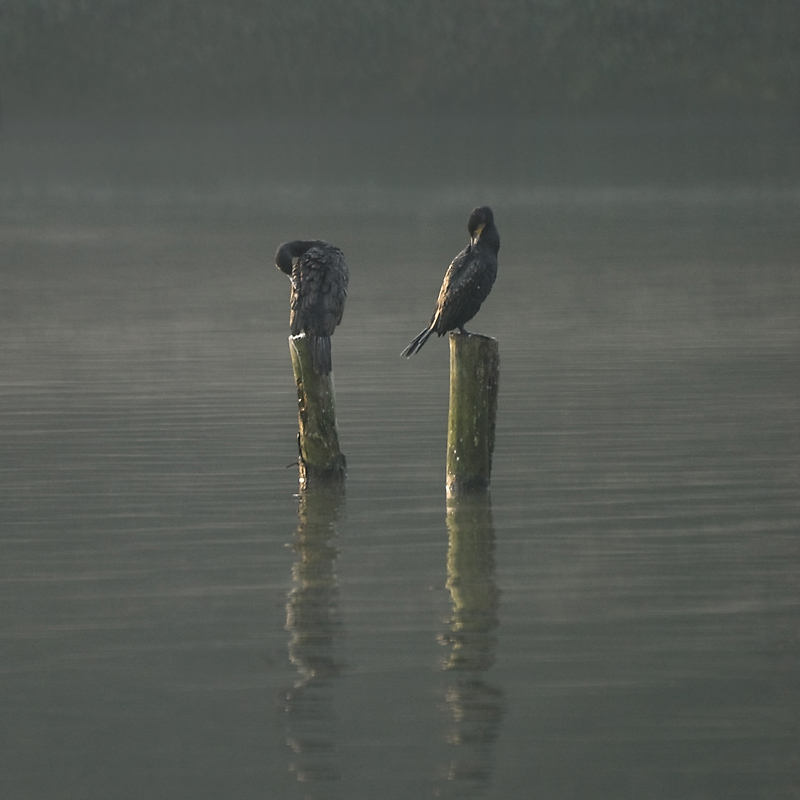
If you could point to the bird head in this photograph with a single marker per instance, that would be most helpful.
(283, 258)
(478, 220)
(289, 252)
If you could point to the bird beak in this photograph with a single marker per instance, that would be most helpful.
(477, 234)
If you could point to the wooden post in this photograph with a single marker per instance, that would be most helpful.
(474, 376)
(321, 461)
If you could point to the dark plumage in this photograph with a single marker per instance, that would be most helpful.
(467, 282)
(319, 288)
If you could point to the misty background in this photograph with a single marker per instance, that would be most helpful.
(336, 57)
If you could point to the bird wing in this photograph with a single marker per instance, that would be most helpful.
(319, 289)
(459, 293)
(459, 274)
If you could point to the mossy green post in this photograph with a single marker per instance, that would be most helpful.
(474, 377)
(321, 460)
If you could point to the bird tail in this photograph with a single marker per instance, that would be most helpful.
(320, 354)
(416, 344)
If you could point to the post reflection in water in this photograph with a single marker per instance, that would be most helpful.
(312, 620)
(475, 707)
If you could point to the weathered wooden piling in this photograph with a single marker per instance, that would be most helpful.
(321, 461)
(474, 377)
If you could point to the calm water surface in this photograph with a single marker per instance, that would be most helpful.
(619, 619)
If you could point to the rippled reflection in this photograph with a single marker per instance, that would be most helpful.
(312, 619)
(475, 706)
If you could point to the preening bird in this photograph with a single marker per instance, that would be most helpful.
(467, 282)
(319, 287)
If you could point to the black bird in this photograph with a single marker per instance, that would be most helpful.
(319, 288)
(467, 282)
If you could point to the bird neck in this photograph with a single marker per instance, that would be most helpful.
(489, 239)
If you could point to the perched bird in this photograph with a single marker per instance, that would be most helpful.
(319, 287)
(467, 282)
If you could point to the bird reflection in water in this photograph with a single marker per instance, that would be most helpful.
(312, 620)
(475, 707)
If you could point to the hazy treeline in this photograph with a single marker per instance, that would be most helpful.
(280, 57)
